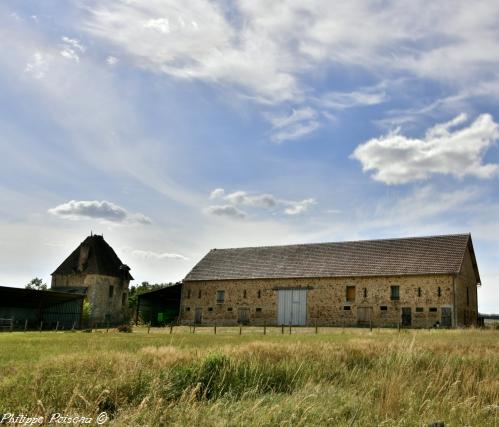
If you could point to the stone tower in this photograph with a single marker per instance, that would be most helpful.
(95, 270)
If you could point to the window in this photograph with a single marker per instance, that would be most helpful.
(467, 296)
(123, 299)
(258, 310)
(350, 293)
(259, 294)
(188, 294)
(220, 297)
(347, 307)
(229, 309)
(419, 309)
(394, 292)
(199, 293)
(187, 309)
(383, 308)
(439, 291)
(433, 309)
(365, 292)
(111, 291)
(210, 308)
(419, 292)
(244, 293)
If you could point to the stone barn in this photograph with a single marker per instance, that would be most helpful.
(94, 269)
(412, 282)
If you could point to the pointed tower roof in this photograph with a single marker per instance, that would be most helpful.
(94, 256)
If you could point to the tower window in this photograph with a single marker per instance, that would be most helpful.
(439, 291)
(199, 293)
(365, 292)
(419, 292)
(244, 293)
(394, 292)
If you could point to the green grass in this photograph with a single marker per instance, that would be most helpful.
(337, 377)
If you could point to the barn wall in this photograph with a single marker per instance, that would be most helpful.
(326, 299)
(104, 308)
(466, 293)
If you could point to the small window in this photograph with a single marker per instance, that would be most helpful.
(383, 308)
(229, 309)
(439, 291)
(433, 309)
(123, 299)
(258, 309)
(365, 292)
(220, 297)
(395, 292)
(419, 309)
(210, 308)
(111, 291)
(187, 309)
(188, 294)
(347, 308)
(199, 293)
(467, 296)
(350, 293)
(419, 292)
(244, 293)
(259, 294)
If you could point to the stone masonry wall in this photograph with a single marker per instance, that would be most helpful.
(326, 300)
(466, 294)
(104, 307)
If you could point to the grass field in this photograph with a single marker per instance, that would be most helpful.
(338, 377)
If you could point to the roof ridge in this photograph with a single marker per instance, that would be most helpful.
(391, 239)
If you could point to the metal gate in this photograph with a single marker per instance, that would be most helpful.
(406, 316)
(446, 317)
(199, 315)
(292, 307)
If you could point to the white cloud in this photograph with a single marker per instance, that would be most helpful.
(70, 48)
(111, 60)
(156, 255)
(397, 159)
(362, 97)
(216, 193)
(262, 201)
(226, 211)
(100, 210)
(38, 66)
(299, 207)
(264, 48)
(297, 124)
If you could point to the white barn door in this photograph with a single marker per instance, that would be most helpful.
(292, 307)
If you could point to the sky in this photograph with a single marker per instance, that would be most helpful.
(173, 127)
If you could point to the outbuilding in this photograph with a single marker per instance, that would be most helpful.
(411, 282)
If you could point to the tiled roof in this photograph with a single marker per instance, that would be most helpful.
(407, 256)
(94, 256)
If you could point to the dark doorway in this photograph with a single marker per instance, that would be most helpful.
(243, 316)
(446, 317)
(198, 318)
(406, 317)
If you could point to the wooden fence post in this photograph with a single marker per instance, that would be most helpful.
(215, 328)
(41, 325)
(25, 325)
(282, 328)
(148, 327)
(316, 327)
(57, 326)
(264, 327)
(171, 328)
(240, 329)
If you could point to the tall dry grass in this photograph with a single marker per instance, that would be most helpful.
(363, 379)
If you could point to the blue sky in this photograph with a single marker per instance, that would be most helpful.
(173, 127)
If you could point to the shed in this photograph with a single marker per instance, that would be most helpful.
(159, 307)
(29, 307)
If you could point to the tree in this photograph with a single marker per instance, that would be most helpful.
(37, 284)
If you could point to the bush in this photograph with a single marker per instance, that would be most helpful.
(124, 328)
